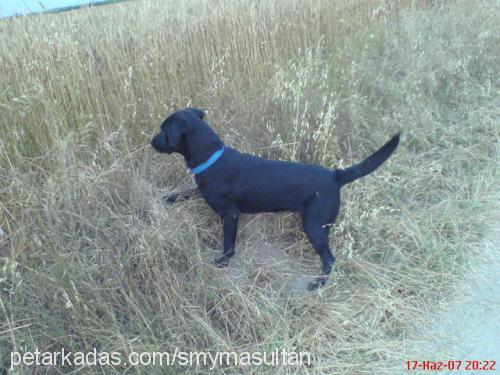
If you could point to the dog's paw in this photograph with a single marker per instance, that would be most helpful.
(319, 282)
(171, 198)
(222, 262)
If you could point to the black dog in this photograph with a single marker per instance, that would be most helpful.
(234, 183)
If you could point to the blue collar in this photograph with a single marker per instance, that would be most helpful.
(211, 160)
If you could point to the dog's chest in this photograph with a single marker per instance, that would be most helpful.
(215, 194)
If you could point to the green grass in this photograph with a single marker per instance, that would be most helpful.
(92, 257)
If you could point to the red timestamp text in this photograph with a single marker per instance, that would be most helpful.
(452, 365)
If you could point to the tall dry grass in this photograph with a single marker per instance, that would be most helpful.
(91, 256)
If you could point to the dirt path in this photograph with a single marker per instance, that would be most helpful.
(468, 327)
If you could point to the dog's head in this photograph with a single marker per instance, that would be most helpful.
(174, 130)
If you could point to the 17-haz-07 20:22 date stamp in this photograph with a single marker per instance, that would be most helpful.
(452, 365)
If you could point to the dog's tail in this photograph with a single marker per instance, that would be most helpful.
(367, 166)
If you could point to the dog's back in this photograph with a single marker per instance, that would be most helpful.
(261, 185)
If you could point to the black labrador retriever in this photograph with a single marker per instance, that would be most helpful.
(232, 182)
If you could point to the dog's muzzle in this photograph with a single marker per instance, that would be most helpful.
(159, 145)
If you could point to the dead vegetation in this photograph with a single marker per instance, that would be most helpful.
(93, 258)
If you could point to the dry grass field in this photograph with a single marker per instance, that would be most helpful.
(92, 257)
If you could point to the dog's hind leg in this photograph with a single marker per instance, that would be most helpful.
(230, 227)
(317, 220)
(319, 239)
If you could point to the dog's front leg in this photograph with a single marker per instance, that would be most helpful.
(183, 195)
(230, 224)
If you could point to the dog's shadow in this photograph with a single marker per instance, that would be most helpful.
(263, 261)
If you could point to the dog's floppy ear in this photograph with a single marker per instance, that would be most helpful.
(175, 131)
(197, 112)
